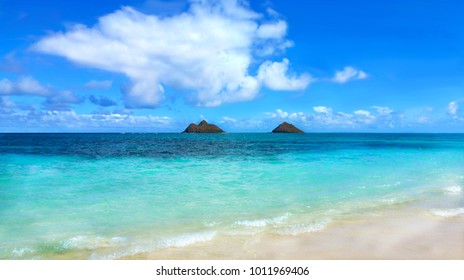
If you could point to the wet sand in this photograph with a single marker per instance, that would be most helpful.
(394, 234)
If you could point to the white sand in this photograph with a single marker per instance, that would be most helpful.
(394, 234)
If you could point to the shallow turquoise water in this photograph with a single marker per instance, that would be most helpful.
(112, 195)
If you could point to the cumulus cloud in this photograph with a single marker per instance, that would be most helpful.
(383, 110)
(322, 110)
(347, 74)
(207, 51)
(28, 86)
(325, 117)
(23, 86)
(453, 108)
(106, 84)
(363, 116)
(363, 113)
(274, 75)
(272, 30)
(102, 101)
(226, 119)
(279, 113)
(7, 105)
(299, 117)
(61, 101)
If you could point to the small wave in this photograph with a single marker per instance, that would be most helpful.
(211, 224)
(453, 190)
(186, 239)
(389, 200)
(263, 222)
(20, 252)
(448, 212)
(304, 228)
(86, 242)
(123, 253)
(173, 242)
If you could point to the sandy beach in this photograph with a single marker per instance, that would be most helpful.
(393, 234)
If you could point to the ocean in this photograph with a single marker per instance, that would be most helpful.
(106, 196)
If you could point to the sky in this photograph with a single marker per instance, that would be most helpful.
(247, 66)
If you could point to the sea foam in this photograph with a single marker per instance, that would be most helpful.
(88, 242)
(263, 222)
(304, 228)
(20, 252)
(171, 242)
(448, 212)
(453, 190)
(186, 239)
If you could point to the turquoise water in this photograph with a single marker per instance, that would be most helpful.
(112, 195)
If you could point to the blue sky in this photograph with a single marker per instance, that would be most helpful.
(156, 66)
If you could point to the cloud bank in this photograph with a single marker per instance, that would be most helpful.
(59, 100)
(36, 120)
(325, 117)
(208, 51)
(24, 86)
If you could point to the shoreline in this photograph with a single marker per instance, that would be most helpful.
(395, 234)
(421, 229)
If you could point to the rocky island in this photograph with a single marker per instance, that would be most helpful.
(203, 127)
(286, 127)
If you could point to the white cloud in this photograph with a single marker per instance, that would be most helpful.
(324, 117)
(362, 113)
(347, 74)
(62, 101)
(241, 125)
(272, 12)
(361, 75)
(70, 119)
(383, 110)
(6, 86)
(453, 108)
(5, 101)
(226, 119)
(274, 76)
(299, 116)
(106, 84)
(275, 30)
(24, 86)
(28, 86)
(423, 119)
(322, 110)
(207, 51)
(279, 113)
(365, 117)
(7, 105)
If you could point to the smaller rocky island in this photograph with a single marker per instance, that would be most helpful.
(203, 127)
(286, 127)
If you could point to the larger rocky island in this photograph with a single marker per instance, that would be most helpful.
(203, 127)
(286, 127)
